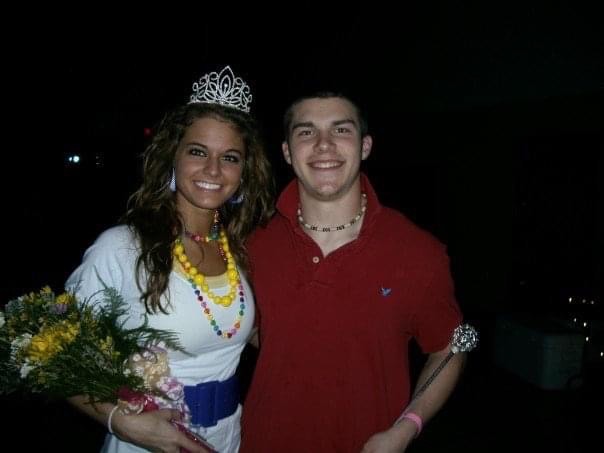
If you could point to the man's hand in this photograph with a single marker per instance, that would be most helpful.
(393, 440)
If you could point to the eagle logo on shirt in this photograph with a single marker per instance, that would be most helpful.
(385, 291)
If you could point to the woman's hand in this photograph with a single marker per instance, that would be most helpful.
(154, 431)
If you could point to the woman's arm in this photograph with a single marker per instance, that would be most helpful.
(152, 430)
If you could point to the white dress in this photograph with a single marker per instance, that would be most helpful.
(111, 261)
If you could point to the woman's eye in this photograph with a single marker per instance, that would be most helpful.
(197, 152)
(232, 158)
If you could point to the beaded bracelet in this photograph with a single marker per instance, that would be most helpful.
(110, 417)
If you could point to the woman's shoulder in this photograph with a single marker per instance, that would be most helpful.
(112, 255)
(117, 241)
(119, 236)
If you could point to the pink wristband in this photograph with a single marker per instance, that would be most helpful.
(415, 419)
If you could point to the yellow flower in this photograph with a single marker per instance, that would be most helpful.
(46, 290)
(64, 299)
(71, 331)
(107, 345)
(42, 348)
(51, 340)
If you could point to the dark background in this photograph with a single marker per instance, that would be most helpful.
(488, 130)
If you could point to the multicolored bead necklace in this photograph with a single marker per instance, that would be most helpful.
(198, 238)
(213, 235)
(337, 227)
(199, 284)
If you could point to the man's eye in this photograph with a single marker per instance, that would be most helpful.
(342, 130)
(304, 133)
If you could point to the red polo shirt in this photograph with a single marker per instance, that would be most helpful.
(334, 331)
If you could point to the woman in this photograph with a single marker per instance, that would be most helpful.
(180, 258)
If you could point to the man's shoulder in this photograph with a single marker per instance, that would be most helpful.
(269, 235)
(276, 227)
(398, 222)
(394, 224)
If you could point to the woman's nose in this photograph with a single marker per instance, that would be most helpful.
(212, 166)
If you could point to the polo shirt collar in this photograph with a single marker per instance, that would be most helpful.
(288, 202)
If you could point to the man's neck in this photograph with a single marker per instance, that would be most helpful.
(342, 216)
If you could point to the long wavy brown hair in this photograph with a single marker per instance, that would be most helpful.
(152, 212)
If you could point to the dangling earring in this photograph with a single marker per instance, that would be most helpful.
(172, 184)
(239, 198)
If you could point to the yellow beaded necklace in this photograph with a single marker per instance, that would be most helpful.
(199, 279)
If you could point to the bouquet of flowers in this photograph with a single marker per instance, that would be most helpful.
(61, 347)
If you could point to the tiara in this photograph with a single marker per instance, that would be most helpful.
(223, 88)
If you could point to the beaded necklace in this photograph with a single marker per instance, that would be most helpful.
(337, 227)
(199, 284)
(198, 238)
(213, 235)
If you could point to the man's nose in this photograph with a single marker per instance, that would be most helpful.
(324, 141)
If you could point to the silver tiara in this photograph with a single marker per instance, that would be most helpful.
(223, 88)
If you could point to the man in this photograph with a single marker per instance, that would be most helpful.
(343, 284)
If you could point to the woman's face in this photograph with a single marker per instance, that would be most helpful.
(208, 164)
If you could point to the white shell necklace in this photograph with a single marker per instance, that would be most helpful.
(337, 227)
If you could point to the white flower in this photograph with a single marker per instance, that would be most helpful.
(22, 341)
(26, 368)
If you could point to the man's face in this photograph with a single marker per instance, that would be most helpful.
(325, 147)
